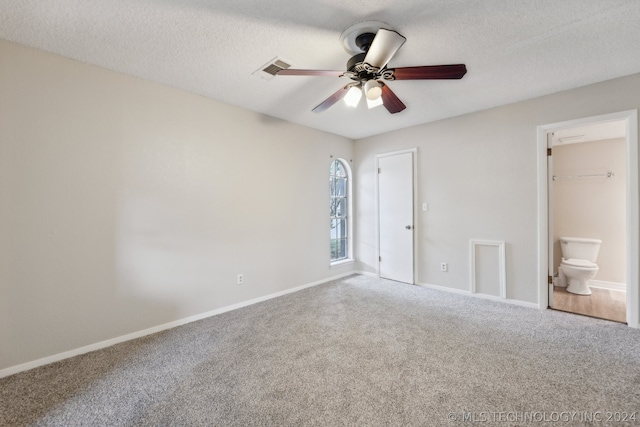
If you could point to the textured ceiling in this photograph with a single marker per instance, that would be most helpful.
(513, 49)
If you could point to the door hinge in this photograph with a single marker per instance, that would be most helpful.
(549, 151)
(379, 258)
(378, 170)
(550, 280)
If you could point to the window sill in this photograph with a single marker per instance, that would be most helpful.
(342, 262)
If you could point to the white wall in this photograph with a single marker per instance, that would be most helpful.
(126, 204)
(593, 207)
(478, 173)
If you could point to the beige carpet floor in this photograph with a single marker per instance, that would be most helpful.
(358, 351)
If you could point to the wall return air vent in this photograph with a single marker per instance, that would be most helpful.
(271, 68)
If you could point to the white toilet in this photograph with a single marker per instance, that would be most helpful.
(579, 262)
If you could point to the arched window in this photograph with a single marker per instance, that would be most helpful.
(339, 206)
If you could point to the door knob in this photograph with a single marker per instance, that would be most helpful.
(408, 227)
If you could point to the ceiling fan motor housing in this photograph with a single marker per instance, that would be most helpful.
(354, 62)
(361, 70)
(363, 41)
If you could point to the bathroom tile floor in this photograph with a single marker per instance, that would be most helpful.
(603, 303)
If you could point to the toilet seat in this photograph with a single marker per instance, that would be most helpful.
(578, 273)
(580, 263)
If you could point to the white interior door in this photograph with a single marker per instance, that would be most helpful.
(395, 211)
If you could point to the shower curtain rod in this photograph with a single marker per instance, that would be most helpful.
(606, 175)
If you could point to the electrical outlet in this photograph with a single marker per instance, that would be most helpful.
(240, 280)
(444, 266)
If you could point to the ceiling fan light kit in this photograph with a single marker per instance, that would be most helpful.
(353, 95)
(372, 89)
(373, 44)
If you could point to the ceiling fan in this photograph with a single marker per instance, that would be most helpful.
(373, 45)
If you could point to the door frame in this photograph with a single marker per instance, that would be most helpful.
(414, 158)
(632, 214)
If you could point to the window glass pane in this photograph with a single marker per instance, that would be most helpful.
(342, 248)
(342, 228)
(334, 249)
(332, 186)
(332, 168)
(340, 169)
(340, 206)
(338, 228)
(338, 249)
(340, 187)
(333, 206)
(334, 229)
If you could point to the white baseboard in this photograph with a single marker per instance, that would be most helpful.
(366, 273)
(107, 343)
(481, 296)
(608, 285)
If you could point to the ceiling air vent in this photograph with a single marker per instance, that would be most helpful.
(271, 68)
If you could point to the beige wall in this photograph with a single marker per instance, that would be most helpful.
(478, 173)
(592, 207)
(126, 204)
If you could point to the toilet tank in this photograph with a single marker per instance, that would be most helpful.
(580, 248)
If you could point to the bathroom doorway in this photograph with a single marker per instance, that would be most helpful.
(588, 191)
(591, 165)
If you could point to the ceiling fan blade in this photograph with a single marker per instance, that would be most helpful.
(385, 44)
(332, 99)
(329, 73)
(390, 101)
(428, 72)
